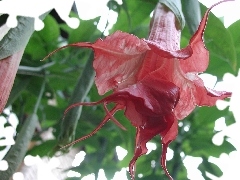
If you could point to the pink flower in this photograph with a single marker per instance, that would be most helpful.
(8, 71)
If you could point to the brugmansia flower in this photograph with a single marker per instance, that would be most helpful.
(8, 70)
(153, 81)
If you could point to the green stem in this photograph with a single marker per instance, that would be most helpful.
(39, 97)
(35, 69)
(17, 152)
(81, 90)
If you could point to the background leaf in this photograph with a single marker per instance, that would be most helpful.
(192, 14)
(219, 44)
(17, 38)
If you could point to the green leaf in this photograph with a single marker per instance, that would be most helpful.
(51, 30)
(43, 149)
(226, 147)
(217, 67)
(221, 43)
(84, 32)
(192, 13)
(202, 145)
(176, 8)
(113, 5)
(185, 37)
(35, 48)
(234, 30)
(133, 14)
(209, 167)
(144, 165)
(198, 140)
(17, 38)
(49, 35)
(207, 116)
(53, 113)
(35, 85)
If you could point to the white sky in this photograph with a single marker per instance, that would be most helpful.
(230, 10)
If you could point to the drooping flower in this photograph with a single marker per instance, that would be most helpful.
(153, 81)
(8, 70)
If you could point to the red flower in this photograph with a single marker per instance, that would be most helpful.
(153, 81)
(148, 101)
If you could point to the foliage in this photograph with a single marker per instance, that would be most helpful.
(63, 71)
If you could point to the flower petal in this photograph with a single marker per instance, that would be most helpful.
(117, 60)
(208, 97)
(199, 60)
(164, 30)
(149, 108)
(194, 93)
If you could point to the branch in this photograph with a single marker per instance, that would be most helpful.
(17, 152)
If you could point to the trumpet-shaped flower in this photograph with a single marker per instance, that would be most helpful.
(153, 81)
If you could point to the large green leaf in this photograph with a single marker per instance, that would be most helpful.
(192, 14)
(234, 30)
(217, 67)
(17, 38)
(221, 43)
